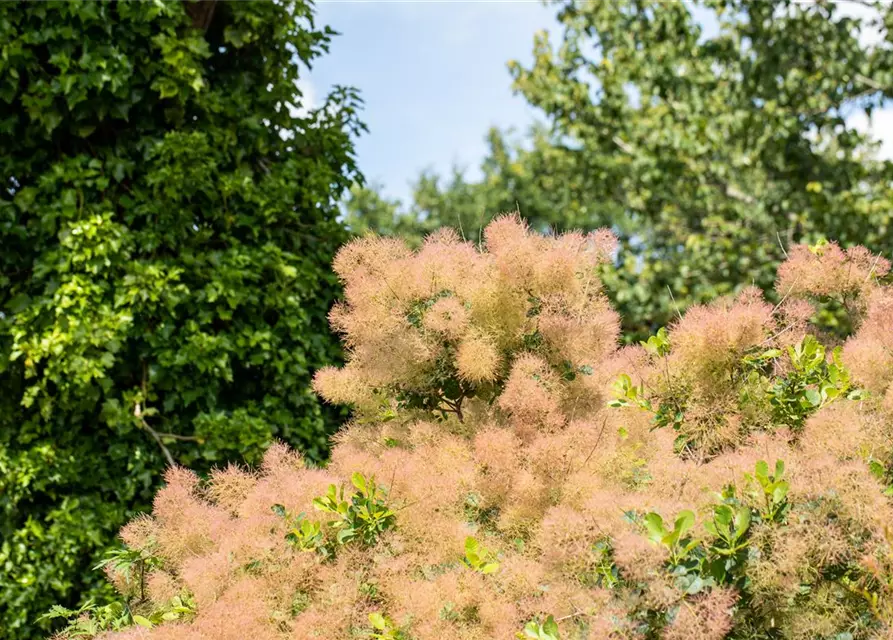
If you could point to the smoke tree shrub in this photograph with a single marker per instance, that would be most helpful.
(726, 479)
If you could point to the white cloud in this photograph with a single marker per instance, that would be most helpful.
(308, 97)
(871, 34)
(307, 101)
(879, 127)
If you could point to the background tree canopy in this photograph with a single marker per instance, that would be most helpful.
(167, 222)
(707, 155)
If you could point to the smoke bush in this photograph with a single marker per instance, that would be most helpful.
(510, 471)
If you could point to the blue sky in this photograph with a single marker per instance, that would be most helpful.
(433, 76)
(434, 79)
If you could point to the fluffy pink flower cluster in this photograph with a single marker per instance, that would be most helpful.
(826, 270)
(480, 378)
(411, 321)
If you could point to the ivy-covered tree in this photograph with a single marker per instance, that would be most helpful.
(167, 221)
(709, 151)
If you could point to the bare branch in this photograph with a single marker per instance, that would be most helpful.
(177, 436)
(157, 437)
(201, 12)
(624, 146)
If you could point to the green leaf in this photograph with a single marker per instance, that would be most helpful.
(346, 535)
(780, 491)
(813, 397)
(697, 585)
(18, 303)
(723, 514)
(762, 469)
(684, 521)
(551, 627)
(688, 547)
(655, 526)
(359, 481)
(742, 520)
(378, 621)
(143, 621)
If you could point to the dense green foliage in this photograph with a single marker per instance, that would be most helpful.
(167, 220)
(707, 154)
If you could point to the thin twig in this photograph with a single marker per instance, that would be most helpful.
(778, 236)
(454, 407)
(406, 506)
(785, 297)
(137, 412)
(570, 615)
(873, 265)
(387, 284)
(682, 486)
(678, 313)
(775, 335)
(598, 440)
(391, 485)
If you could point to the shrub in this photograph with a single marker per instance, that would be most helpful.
(167, 222)
(725, 479)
